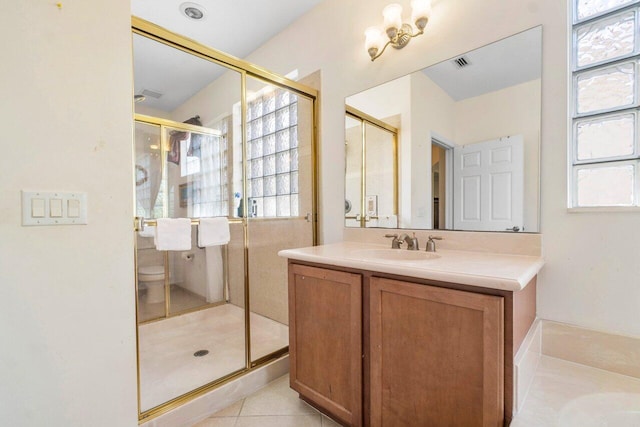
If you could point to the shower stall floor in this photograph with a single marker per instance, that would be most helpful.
(168, 367)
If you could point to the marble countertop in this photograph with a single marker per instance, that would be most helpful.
(486, 270)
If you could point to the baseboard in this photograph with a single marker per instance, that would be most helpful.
(602, 350)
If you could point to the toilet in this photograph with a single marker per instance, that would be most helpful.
(152, 278)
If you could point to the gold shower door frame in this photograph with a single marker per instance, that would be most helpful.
(245, 69)
(365, 119)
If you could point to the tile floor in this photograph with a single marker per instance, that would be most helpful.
(168, 367)
(275, 405)
(567, 394)
(563, 394)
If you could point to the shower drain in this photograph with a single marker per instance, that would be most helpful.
(201, 353)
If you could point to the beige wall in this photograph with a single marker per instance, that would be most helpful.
(591, 275)
(432, 116)
(67, 301)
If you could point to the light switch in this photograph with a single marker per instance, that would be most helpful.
(73, 208)
(37, 208)
(55, 208)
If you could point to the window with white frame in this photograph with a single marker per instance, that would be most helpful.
(605, 152)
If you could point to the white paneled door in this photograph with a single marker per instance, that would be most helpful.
(489, 185)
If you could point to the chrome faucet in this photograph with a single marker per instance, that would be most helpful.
(412, 242)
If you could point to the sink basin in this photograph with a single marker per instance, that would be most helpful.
(395, 255)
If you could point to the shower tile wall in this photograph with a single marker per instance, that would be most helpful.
(268, 271)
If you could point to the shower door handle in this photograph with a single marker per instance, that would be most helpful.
(308, 217)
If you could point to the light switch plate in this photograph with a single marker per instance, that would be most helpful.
(54, 208)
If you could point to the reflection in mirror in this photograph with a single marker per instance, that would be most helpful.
(468, 138)
(371, 192)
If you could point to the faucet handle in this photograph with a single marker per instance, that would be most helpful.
(431, 245)
(395, 243)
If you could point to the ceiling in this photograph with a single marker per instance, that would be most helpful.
(507, 62)
(235, 27)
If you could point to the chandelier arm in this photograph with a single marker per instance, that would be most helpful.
(381, 52)
(418, 33)
(395, 41)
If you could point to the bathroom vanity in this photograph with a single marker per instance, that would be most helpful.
(395, 337)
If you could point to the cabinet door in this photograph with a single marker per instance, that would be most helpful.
(325, 340)
(436, 356)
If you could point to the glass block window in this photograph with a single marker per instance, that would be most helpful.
(605, 152)
(210, 185)
(272, 154)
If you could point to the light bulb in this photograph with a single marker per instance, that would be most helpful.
(392, 19)
(421, 12)
(373, 37)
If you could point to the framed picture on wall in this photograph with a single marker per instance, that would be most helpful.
(371, 205)
(185, 193)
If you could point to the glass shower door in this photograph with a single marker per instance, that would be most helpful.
(196, 333)
(280, 173)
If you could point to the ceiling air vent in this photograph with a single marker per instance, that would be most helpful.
(151, 94)
(461, 62)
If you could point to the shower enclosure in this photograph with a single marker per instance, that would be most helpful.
(371, 171)
(215, 136)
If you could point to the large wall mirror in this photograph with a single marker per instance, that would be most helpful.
(468, 143)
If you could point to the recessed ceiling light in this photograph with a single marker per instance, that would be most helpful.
(192, 11)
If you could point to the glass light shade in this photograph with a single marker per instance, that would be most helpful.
(373, 36)
(392, 16)
(420, 12)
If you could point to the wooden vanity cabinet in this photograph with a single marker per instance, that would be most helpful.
(325, 340)
(376, 349)
(436, 356)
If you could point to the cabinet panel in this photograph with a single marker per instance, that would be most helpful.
(325, 339)
(436, 356)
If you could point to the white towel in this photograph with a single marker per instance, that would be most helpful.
(173, 234)
(213, 231)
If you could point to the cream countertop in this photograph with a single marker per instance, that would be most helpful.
(486, 270)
